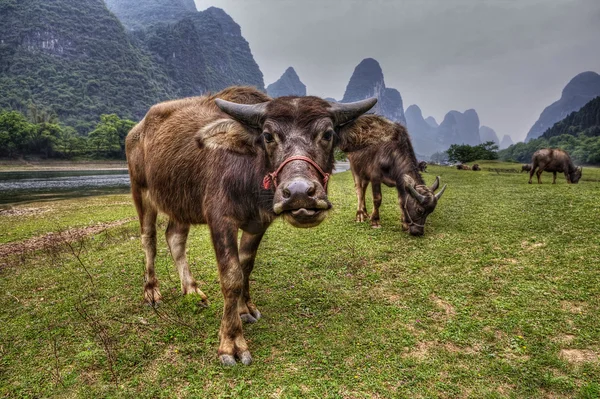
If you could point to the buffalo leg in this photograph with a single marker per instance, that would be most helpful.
(231, 275)
(376, 187)
(553, 177)
(176, 235)
(147, 215)
(531, 172)
(402, 197)
(539, 175)
(567, 177)
(249, 243)
(361, 188)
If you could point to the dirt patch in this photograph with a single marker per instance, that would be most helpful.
(572, 307)
(531, 246)
(578, 355)
(565, 338)
(443, 305)
(56, 239)
(23, 211)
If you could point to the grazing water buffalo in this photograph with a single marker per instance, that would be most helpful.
(380, 151)
(475, 167)
(422, 166)
(526, 167)
(554, 160)
(234, 160)
(463, 167)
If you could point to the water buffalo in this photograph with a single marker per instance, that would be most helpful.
(422, 166)
(234, 160)
(475, 167)
(526, 167)
(384, 154)
(554, 160)
(463, 167)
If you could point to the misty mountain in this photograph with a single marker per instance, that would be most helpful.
(135, 15)
(488, 134)
(578, 92)
(460, 128)
(506, 142)
(288, 84)
(367, 81)
(423, 136)
(432, 122)
(203, 51)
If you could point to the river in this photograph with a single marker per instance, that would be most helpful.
(23, 187)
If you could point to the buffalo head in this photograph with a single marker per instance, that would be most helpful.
(575, 175)
(420, 202)
(297, 136)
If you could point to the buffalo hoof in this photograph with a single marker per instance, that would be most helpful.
(227, 360)
(152, 295)
(194, 290)
(362, 216)
(375, 225)
(246, 358)
(252, 316)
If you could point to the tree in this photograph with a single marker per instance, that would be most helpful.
(15, 133)
(109, 135)
(466, 153)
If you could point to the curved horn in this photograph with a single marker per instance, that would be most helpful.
(248, 114)
(344, 113)
(416, 195)
(439, 195)
(436, 183)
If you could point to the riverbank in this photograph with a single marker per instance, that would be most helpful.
(22, 165)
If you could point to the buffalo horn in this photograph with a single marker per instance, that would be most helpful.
(439, 195)
(248, 114)
(344, 113)
(436, 183)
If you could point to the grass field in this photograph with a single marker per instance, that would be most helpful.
(499, 299)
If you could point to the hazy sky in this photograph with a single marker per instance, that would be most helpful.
(508, 59)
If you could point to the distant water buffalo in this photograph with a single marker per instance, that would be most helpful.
(554, 160)
(422, 166)
(386, 156)
(234, 160)
(475, 167)
(526, 167)
(463, 167)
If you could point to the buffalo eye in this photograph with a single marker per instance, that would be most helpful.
(327, 135)
(420, 212)
(268, 137)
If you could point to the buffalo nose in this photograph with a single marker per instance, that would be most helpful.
(299, 190)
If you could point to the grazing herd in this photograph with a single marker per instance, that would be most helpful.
(238, 159)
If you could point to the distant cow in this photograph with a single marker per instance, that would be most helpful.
(422, 166)
(526, 167)
(463, 167)
(475, 167)
(387, 157)
(234, 160)
(554, 160)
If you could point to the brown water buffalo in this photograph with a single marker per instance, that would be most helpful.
(526, 167)
(475, 167)
(422, 166)
(554, 160)
(234, 160)
(384, 154)
(463, 167)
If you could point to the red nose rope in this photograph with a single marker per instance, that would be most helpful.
(272, 177)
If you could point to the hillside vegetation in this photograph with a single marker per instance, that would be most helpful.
(578, 134)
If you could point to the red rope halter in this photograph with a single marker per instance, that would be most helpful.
(272, 177)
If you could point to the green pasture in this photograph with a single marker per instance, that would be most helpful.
(499, 299)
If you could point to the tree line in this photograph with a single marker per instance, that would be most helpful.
(41, 134)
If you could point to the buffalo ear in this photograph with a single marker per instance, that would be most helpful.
(227, 134)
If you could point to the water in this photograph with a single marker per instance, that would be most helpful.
(22, 187)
